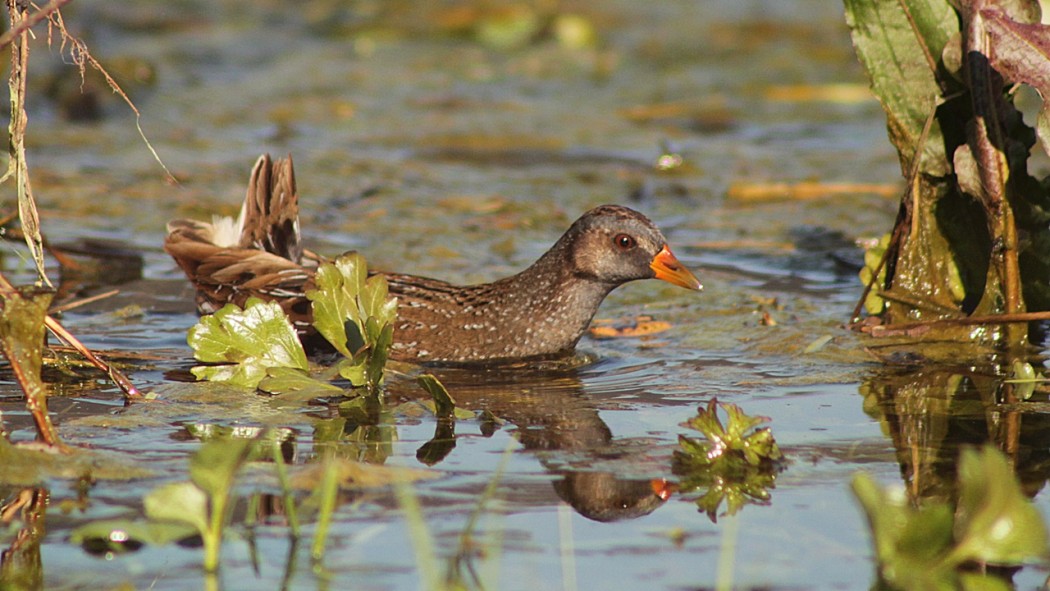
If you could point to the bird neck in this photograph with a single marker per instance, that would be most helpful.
(559, 301)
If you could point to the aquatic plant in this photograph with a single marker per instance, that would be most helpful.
(352, 311)
(25, 309)
(930, 546)
(735, 463)
(970, 242)
(242, 344)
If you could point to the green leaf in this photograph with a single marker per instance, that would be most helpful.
(335, 299)
(983, 582)
(444, 404)
(355, 313)
(738, 437)
(215, 464)
(289, 383)
(374, 298)
(910, 544)
(737, 464)
(893, 54)
(995, 522)
(353, 370)
(380, 351)
(247, 342)
(179, 502)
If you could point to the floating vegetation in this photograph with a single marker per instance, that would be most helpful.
(245, 343)
(735, 463)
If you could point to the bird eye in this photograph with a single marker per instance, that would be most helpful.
(623, 241)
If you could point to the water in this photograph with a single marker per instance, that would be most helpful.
(436, 154)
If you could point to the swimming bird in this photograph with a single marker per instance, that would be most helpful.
(542, 311)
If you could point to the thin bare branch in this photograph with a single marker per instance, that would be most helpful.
(30, 21)
(81, 56)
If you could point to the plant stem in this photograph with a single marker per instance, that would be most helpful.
(418, 534)
(213, 536)
(329, 493)
(727, 554)
(286, 490)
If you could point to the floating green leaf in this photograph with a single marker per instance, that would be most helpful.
(289, 385)
(739, 440)
(246, 342)
(121, 535)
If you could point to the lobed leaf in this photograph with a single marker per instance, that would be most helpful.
(247, 342)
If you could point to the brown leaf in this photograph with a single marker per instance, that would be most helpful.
(641, 327)
(1021, 53)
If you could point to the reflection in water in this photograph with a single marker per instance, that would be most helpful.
(20, 563)
(556, 418)
(931, 412)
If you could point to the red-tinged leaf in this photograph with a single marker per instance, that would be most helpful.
(1021, 52)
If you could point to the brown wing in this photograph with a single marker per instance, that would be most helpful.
(224, 275)
(271, 210)
(266, 261)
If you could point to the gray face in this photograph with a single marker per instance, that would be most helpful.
(615, 246)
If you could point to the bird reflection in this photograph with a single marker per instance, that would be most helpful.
(557, 420)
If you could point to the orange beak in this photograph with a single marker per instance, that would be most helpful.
(662, 488)
(670, 270)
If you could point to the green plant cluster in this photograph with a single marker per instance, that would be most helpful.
(735, 463)
(931, 546)
(351, 310)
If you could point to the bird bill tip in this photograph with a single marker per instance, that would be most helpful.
(667, 268)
